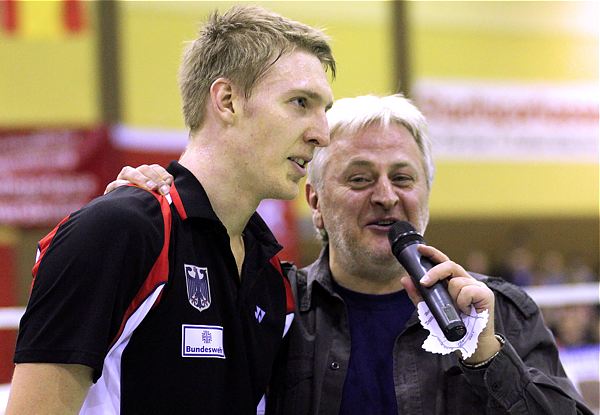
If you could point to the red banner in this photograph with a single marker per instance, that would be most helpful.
(49, 173)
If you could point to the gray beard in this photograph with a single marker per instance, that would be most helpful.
(366, 264)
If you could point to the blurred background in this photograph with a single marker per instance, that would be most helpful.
(510, 90)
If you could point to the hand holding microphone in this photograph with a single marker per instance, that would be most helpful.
(404, 240)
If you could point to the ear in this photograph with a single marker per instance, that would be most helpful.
(222, 94)
(313, 201)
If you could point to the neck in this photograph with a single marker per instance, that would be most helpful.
(233, 203)
(365, 280)
(239, 252)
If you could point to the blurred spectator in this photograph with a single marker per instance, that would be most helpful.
(578, 270)
(575, 325)
(478, 261)
(519, 267)
(552, 269)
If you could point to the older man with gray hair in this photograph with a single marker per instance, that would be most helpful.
(356, 345)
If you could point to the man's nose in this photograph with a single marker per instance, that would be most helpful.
(384, 194)
(318, 133)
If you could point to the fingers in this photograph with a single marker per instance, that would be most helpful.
(133, 176)
(465, 290)
(468, 292)
(158, 175)
(436, 255)
(114, 184)
(443, 270)
(153, 177)
(411, 290)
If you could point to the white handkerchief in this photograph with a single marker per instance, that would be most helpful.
(436, 342)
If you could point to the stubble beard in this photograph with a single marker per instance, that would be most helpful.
(364, 263)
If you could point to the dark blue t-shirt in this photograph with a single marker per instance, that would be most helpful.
(375, 322)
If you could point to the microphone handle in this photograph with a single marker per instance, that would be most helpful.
(436, 297)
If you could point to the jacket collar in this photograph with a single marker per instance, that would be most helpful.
(319, 274)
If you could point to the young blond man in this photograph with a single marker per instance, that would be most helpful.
(145, 304)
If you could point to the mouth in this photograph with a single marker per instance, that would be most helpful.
(300, 164)
(382, 225)
(299, 161)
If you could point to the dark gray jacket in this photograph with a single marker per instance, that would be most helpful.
(526, 377)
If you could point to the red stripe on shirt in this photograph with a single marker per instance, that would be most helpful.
(159, 274)
(289, 297)
(177, 202)
(43, 246)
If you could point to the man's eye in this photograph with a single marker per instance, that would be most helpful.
(402, 179)
(358, 180)
(300, 101)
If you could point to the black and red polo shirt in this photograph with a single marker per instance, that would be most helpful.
(145, 290)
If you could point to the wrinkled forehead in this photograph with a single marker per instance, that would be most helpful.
(370, 137)
(350, 129)
(371, 142)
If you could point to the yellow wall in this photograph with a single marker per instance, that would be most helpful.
(515, 190)
(508, 40)
(48, 77)
(521, 42)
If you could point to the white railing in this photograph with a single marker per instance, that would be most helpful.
(10, 317)
(565, 294)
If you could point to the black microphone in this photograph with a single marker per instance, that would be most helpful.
(404, 240)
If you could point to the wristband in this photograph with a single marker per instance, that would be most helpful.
(489, 359)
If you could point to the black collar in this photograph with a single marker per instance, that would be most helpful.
(197, 205)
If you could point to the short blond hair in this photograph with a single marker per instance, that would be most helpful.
(241, 45)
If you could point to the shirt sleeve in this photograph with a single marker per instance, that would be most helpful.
(88, 272)
(526, 376)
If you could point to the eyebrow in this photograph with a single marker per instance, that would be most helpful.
(360, 163)
(366, 163)
(314, 96)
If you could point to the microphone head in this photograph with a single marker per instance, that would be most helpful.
(402, 234)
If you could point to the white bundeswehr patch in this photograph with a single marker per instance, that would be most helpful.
(202, 341)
